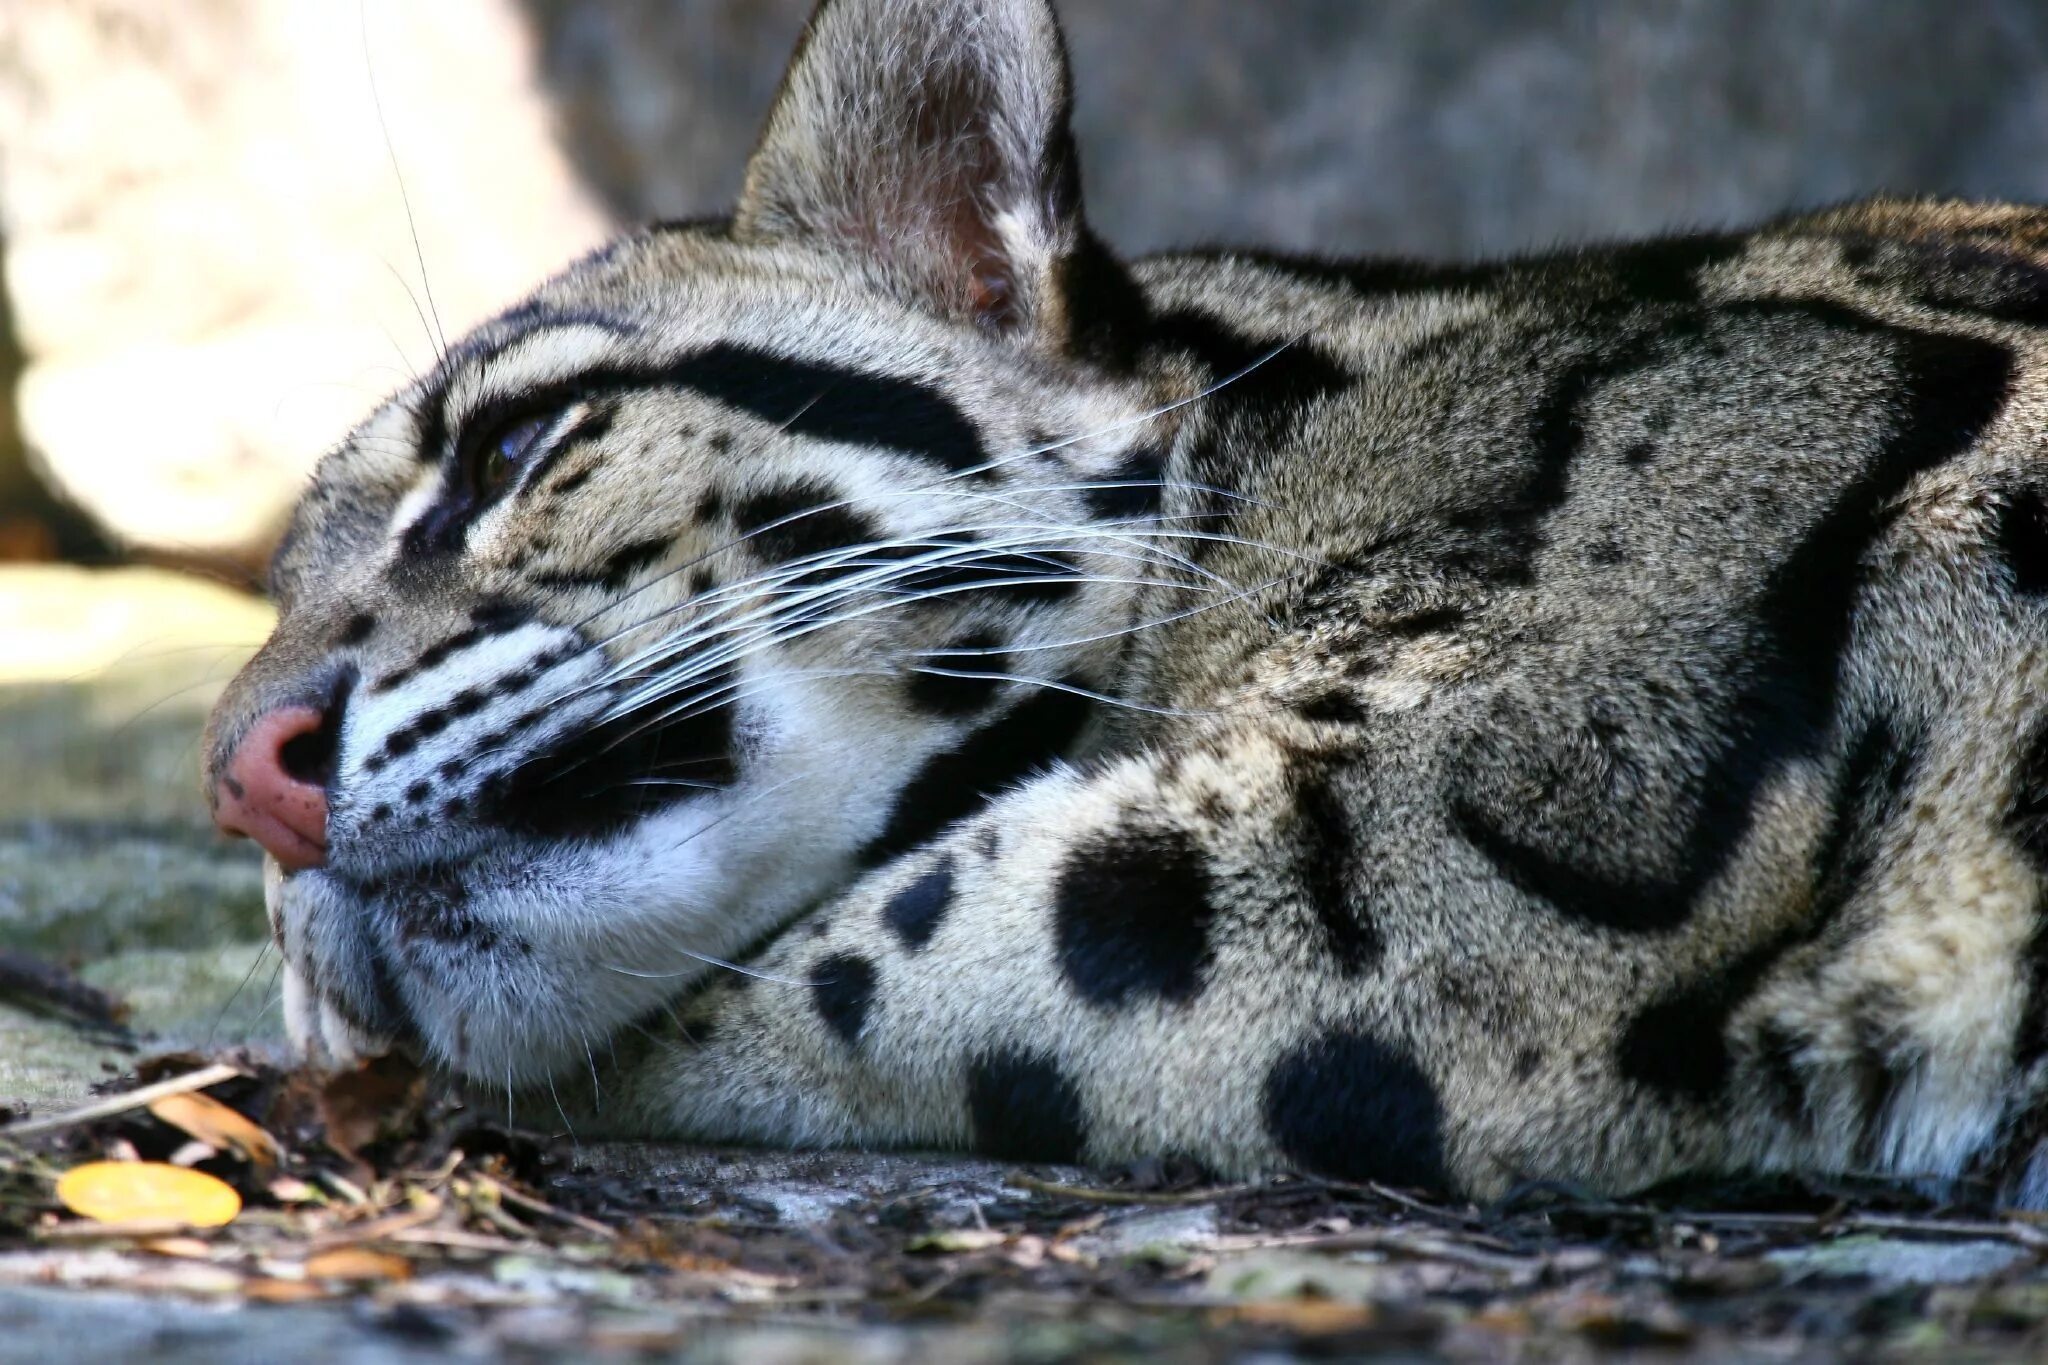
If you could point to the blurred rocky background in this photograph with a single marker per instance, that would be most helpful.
(229, 226)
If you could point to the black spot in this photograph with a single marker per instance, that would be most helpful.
(954, 784)
(1274, 380)
(596, 780)
(1948, 390)
(720, 442)
(1508, 528)
(1106, 311)
(615, 571)
(357, 630)
(2023, 540)
(1667, 269)
(380, 812)
(497, 616)
(938, 686)
(1638, 453)
(1333, 707)
(710, 507)
(1431, 622)
(467, 702)
(1023, 1109)
(1130, 490)
(419, 791)
(1131, 916)
(801, 521)
(1528, 1062)
(572, 481)
(1678, 1044)
(843, 987)
(1349, 1106)
(915, 911)
(1333, 875)
(823, 402)
(700, 582)
(1955, 277)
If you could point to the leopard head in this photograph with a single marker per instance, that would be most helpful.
(740, 555)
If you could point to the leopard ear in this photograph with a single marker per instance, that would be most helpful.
(931, 138)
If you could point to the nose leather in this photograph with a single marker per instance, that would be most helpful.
(259, 797)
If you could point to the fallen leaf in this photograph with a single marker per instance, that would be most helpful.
(215, 1124)
(358, 1264)
(378, 1100)
(147, 1191)
(1314, 1317)
(184, 1248)
(282, 1291)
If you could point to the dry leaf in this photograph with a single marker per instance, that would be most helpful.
(184, 1248)
(147, 1191)
(379, 1099)
(1313, 1317)
(211, 1122)
(357, 1264)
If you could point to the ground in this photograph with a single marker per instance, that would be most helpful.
(380, 1223)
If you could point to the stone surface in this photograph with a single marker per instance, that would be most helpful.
(108, 862)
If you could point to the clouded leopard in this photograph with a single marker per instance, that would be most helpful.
(878, 669)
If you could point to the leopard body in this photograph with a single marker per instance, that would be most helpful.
(877, 670)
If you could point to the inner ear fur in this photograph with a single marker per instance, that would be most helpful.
(932, 138)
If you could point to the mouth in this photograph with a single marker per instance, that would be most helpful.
(647, 753)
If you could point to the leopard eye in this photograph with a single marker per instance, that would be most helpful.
(499, 455)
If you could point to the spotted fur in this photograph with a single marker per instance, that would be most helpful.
(1575, 718)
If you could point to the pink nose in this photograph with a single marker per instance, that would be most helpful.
(265, 794)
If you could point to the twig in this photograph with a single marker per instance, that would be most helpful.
(1092, 1195)
(1421, 1247)
(139, 1229)
(202, 1079)
(543, 1209)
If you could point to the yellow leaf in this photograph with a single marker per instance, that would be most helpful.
(216, 1125)
(134, 1191)
(357, 1263)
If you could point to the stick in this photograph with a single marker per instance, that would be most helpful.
(204, 1078)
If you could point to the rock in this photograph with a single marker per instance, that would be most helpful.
(1451, 128)
(108, 861)
(1893, 1260)
(210, 257)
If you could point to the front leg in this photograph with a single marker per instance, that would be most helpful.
(1160, 957)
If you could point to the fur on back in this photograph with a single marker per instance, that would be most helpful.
(878, 670)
